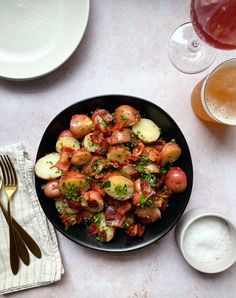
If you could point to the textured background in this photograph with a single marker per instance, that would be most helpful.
(124, 51)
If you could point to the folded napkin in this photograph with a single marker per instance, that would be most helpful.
(27, 211)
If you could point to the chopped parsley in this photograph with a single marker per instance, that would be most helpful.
(145, 202)
(121, 190)
(143, 162)
(106, 184)
(150, 178)
(101, 122)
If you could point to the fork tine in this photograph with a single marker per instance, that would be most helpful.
(12, 170)
(4, 171)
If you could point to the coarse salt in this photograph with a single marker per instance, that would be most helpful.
(207, 239)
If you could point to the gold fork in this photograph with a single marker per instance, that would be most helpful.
(22, 250)
(10, 187)
(19, 238)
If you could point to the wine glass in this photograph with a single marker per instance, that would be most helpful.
(192, 46)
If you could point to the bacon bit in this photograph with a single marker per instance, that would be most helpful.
(135, 230)
(147, 189)
(123, 207)
(93, 229)
(159, 144)
(152, 154)
(116, 222)
(63, 163)
(74, 204)
(160, 181)
(141, 230)
(137, 152)
(115, 213)
(94, 186)
(97, 137)
(68, 220)
(84, 214)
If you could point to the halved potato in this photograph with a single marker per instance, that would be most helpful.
(81, 157)
(119, 154)
(67, 142)
(73, 182)
(62, 207)
(119, 187)
(146, 130)
(88, 144)
(170, 153)
(107, 230)
(44, 167)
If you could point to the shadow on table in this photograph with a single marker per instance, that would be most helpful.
(219, 131)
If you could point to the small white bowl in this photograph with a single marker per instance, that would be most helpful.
(190, 227)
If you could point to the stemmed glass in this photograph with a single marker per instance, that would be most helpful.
(192, 46)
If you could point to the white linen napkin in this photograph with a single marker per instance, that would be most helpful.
(27, 211)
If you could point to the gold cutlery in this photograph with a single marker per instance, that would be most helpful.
(19, 238)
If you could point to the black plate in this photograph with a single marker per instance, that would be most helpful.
(177, 203)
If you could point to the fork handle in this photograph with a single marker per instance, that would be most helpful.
(22, 249)
(28, 240)
(14, 256)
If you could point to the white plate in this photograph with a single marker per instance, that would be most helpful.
(37, 36)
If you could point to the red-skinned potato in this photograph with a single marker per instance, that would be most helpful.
(72, 183)
(119, 154)
(81, 157)
(119, 187)
(126, 116)
(176, 180)
(170, 153)
(129, 170)
(65, 133)
(51, 190)
(120, 137)
(81, 125)
(148, 215)
(101, 119)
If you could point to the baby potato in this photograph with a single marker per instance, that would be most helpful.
(120, 137)
(67, 142)
(72, 183)
(148, 215)
(81, 125)
(65, 133)
(81, 157)
(176, 180)
(120, 154)
(44, 167)
(126, 116)
(119, 187)
(51, 190)
(93, 201)
(107, 232)
(170, 153)
(89, 145)
(62, 207)
(146, 130)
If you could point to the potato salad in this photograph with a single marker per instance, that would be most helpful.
(111, 171)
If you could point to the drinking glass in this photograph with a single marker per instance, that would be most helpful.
(214, 97)
(192, 46)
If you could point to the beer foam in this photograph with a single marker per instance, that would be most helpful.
(224, 113)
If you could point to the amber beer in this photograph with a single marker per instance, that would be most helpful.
(214, 98)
